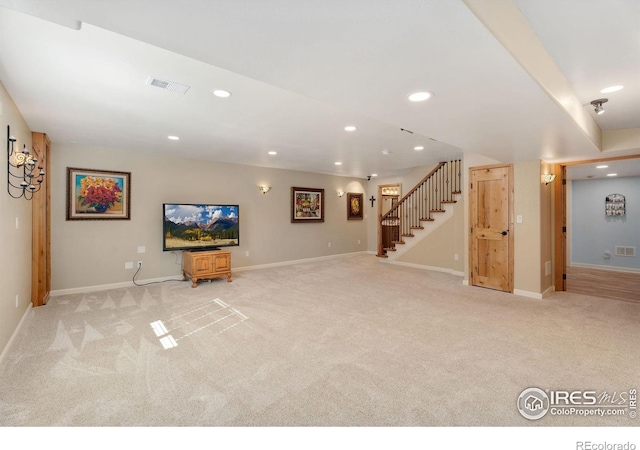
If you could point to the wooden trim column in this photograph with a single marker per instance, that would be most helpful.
(41, 225)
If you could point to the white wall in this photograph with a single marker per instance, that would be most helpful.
(93, 253)
(15, 242)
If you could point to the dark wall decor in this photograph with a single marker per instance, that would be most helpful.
(614, 205)
(354, 206)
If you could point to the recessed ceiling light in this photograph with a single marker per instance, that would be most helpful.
(350, 128)
(418, 147)
(338, 163)
(374, 174)
(610, 89)
(601, 167)
(420, 96)
(385, 152)
(173, 138)
(221, 93)
(612, 174)
(273, 153)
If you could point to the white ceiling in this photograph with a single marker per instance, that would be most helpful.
(300, 71)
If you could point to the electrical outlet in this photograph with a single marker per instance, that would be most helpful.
(329, 244)
(128, 265)
(358, 241)
(456, 257)
(139, 264)
(246, 253)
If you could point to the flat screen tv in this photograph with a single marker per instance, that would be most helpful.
(194, 227)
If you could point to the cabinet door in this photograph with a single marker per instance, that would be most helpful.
(223, 262)
(202, 265)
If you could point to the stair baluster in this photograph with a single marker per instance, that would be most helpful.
(418, 205)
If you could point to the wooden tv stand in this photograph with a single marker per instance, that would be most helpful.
(206, 265)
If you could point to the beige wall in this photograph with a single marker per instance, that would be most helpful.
(15, 263)
(527, 239)
(93, 253)
(438, 249)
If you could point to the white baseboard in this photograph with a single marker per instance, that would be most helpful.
(15, 333)
(297, 261)
(528, 294)
(127, 284)
(106, 287)
(609, 268)
(420, 266)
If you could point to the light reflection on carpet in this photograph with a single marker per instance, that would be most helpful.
(214, 315)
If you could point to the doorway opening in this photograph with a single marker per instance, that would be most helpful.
(580, 278)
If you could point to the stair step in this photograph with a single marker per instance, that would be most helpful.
(398, 242)
(408, 235)
(382, 256)
(437, 210)
(449, 201)
(389, 249)
(456, 192)
(417, 228)
(427, 220)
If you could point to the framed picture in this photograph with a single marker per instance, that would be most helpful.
(354, 206)
(307, 205)
(98, 194)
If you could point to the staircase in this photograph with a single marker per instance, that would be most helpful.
(429, 202)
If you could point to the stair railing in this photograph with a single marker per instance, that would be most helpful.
(426, 198)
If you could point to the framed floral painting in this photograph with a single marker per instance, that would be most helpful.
(307, 205)
(354, 206)
(98, 194)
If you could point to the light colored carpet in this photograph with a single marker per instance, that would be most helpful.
(341, 342)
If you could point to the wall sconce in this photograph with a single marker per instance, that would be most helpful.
(20, 167)
(548, 178)
(264, 189)
(340, 193)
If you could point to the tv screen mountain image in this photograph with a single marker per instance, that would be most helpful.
(200, 226)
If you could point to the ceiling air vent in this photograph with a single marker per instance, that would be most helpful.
(168, 85)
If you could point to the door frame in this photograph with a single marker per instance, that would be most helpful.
(381, 196)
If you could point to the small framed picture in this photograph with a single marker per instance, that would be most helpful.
(354, 206)
(98, 194)
(307, 205)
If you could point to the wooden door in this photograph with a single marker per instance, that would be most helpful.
(41, 234)
(490, 220)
